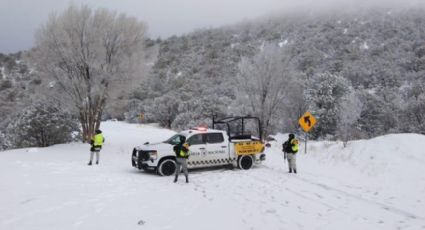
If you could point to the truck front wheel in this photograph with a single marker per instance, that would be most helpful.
(245, 162)
(167, 167)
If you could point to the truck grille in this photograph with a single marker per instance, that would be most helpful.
(144, 156)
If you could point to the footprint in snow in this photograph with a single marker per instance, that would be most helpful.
(284, 204)
(270, 211)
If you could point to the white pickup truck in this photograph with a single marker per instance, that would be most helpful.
(208, 147)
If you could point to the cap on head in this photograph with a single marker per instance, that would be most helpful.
(292, 136)
(98, 131)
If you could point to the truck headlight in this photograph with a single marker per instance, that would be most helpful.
(153, 155)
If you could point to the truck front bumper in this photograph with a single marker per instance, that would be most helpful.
(141, 160)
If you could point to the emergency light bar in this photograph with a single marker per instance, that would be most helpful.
(200, 128)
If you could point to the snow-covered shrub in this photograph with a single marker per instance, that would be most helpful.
(41, 125)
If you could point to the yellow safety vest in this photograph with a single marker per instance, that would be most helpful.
(98, 140)
(183, 153)
(294, 142)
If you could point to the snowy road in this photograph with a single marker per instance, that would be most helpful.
(371, 184)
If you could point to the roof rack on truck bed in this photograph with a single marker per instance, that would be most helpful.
(239, 130)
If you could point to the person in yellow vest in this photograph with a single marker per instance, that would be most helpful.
(182, 154)
(96, 145)
(291, 149)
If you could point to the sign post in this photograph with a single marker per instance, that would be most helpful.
(307, 121)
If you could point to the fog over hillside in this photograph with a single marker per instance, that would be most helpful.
(374, 55)
(19, 20)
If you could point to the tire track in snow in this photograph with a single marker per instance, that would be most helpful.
(386, 207)
(347, 199)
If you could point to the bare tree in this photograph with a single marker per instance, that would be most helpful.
(349, 113)
(89, 54)
(294, 105)
(262, 83)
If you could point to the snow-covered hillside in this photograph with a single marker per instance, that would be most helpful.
(371, 184)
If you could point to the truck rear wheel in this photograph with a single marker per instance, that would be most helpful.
(245, 162)
(167, 167)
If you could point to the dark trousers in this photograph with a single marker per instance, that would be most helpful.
(181, 163)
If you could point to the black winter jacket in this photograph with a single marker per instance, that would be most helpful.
(178, 148)
(287, 146)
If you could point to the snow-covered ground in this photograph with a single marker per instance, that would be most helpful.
(371, 184)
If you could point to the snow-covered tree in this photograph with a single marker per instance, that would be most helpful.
(350, 108)
(200, 111)
(163, 109)
(89, 54)
(413, 110)
(262, 82)
(41, 125)
(294, 104)
(325, 94)
(2, 141)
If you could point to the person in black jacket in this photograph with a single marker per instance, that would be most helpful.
(290, 148)
(182, 154)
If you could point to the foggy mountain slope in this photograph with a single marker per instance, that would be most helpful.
(379, 51)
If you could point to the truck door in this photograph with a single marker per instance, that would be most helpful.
(197, 150)
(217, 149)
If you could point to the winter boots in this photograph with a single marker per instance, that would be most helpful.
(176, 178)
(290, 171)
(97, 162)
(89, 163)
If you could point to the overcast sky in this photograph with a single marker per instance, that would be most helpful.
(19, 19)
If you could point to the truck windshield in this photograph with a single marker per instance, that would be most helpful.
(174, 140)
